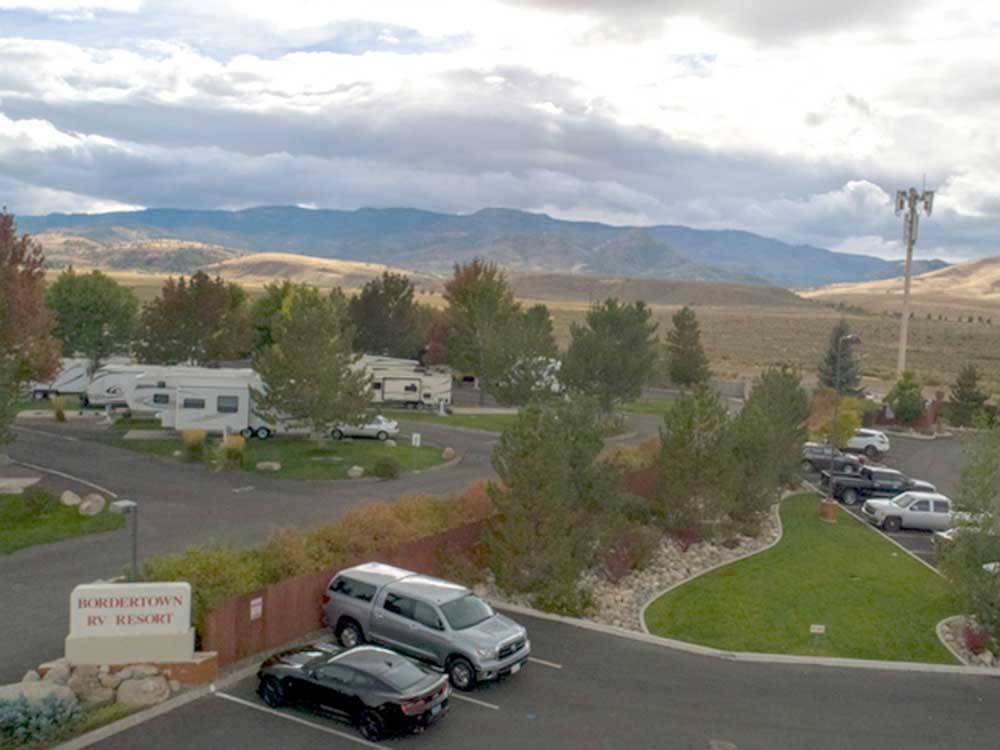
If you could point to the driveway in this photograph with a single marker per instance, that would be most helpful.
(601, 691)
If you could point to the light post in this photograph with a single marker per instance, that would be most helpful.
(908, 203)
(130, 508)
(851, 338)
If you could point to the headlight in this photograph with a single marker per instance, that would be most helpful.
(485, 653)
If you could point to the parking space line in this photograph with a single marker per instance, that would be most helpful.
(544, 663)
(484, 704)
(297, 720)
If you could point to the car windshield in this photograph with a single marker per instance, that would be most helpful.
(466, 612)
(402, 675)
(902, 501)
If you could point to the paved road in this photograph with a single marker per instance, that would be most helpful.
(612, 692)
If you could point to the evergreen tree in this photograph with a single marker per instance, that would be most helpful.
(906, 399)
(386, 320)
(967, 398)
(850, 369)
(686, 361)
(526, 364)
(612, 356)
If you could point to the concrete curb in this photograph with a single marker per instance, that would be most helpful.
(749, 656)
(939, 629)
(781, 533)
(917, 436)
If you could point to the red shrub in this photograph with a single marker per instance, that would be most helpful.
(976, 640)
(642, 482)
(687, 537)
(629, 550)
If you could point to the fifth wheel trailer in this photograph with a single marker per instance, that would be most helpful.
(406, 382)
(155, 390)
(72, 380)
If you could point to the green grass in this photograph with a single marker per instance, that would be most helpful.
(130, 423)
(876, 601)
(19, 528)
(654, 406)
(301, 458)
(72, 403)
(490, 422)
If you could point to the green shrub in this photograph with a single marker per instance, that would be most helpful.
(59, 408)
(22, 722)
(386, 467)
(564, 598)
(38, 501)
(194, 444)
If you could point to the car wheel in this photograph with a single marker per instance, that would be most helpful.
(337, 434)
(382, 435)
(872, 452)
(247, 433)
(892, 523)
(263, 433)
(850, 497)
(38, 395)
(461, 674)
(371, 726)
(271, 692)
(350, 634)
(807, 467)
(84, 401)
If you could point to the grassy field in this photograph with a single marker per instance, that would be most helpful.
(19, 528)
(653, 406)
(876, 601)
(303, 459)
(491, 422)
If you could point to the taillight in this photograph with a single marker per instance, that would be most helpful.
(326, 598)
(412, 707)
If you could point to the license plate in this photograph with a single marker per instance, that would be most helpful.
(435, 710)
(515, 669)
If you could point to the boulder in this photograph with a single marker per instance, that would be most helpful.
(111, 679)
(175, 686)
(36, 692)
(87, 686)
(143, 691)
(145, 670)
(448, 453)
(355, 472)
(91, 505)
(390, 443)
(268, 466)
(984, 658)
(57, 674)
(31, 676)
(69, 498)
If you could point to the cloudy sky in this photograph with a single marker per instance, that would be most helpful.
(796, 119)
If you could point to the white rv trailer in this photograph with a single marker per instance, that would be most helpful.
(406, 382)
(154, 391)
(73, 377)
(110, 384)
(218, 405)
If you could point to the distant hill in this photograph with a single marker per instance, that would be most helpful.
(520, 241)
(169, 255)
(263, 268)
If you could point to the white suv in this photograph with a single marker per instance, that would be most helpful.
(870, 442)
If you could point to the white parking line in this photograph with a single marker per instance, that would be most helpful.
(544, 663)
(70, 477)
(484, 704)
(297, 720)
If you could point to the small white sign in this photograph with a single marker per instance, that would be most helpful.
(130, 609)
(415, 439)
(256, 608)
(817, 629)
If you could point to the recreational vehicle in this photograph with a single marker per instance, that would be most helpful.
(74, 374)
(110, 384)
(217, 405)
(406, 382)
(154, 391)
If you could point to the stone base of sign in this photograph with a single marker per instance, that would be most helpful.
(199, 670)
(159, 648)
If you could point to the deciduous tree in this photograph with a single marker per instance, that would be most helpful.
(264, 309)
(611, 356)
(525, 358)
(95, 315)
(849, 381)
(386, 319)
(687, 364)
(310, 371)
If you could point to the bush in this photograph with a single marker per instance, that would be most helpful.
(194, 444)
(386, 467)
(22, 722)
(627, 548)
(59, 408)
(976, 639)
(563, 598)
(38, 501)
(231, 451)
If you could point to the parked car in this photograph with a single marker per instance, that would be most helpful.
(873, 443)
(910, 510)
(379, 427)
(872, 482)
(819, 456)
(441, 623)
(376, 690)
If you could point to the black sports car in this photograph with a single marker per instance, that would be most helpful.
(377, 690)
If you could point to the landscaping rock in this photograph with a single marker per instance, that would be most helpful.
(70, 498)
(90, 691)
(36, 692)
(355, 472)
(31, 676)
(144, 691)
(984, 658)
(91, 505)
(448, 454)
(144, 670)
(390, 443)
(56, 673)
(175, 686)
(268, 466)
(111, 679)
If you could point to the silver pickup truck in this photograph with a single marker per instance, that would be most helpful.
(911, 510)
(441, 623)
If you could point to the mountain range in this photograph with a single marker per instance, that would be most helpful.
(181, 240)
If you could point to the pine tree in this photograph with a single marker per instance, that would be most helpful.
(906, 399)
(849, 382)
(687, 364)
(967, 398)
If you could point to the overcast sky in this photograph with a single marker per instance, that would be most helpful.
(792, 119)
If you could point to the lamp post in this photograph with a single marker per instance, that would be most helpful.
(130, 508)
(851, 338)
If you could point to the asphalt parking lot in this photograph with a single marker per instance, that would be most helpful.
(601, 691)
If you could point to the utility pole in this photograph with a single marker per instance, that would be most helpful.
(908, 204)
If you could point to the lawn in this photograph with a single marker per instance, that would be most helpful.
(304, 459)
(20, 528)
(875, 601)
(654, 406)
(490, 422)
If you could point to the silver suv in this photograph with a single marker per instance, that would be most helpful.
(441, 623)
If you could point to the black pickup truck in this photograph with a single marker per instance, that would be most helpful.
(872, 482)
